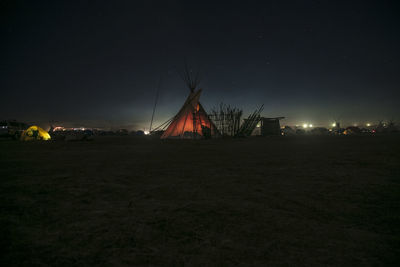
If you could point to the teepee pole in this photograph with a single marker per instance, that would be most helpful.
(155, 102)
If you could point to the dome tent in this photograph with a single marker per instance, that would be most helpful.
(35, 133)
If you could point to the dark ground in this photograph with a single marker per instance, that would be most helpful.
(294, 201)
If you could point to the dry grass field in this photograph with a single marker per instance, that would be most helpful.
(279, 201)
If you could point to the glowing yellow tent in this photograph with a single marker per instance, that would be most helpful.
(35, 133)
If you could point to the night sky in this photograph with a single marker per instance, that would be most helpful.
(97, 63)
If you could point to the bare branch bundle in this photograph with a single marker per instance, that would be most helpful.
(227, 119)
(250, 123)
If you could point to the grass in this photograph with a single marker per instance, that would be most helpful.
(123, 201)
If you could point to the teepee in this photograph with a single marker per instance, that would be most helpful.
(192, 120)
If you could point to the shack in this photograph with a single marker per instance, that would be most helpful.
(270, 126)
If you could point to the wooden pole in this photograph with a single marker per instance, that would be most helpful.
(155, 102)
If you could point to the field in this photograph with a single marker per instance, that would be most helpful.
(278, 201)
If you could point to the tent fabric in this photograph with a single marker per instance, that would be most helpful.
(35, 133)
(191, 120)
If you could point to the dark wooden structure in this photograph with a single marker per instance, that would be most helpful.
(270, 126)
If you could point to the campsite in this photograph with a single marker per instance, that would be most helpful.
(201, 190)
(126, 200)
(199, 133)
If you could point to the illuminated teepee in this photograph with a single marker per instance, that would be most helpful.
(192, 120)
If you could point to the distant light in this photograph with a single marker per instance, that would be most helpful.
(305, 125)
(310, 125)
(368, 124)
(146, 132)
(333, 124)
